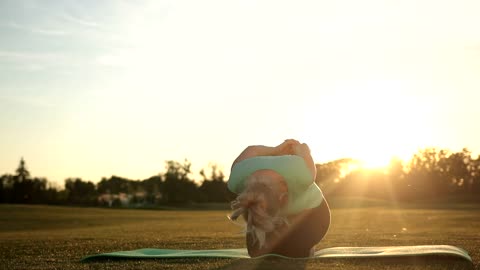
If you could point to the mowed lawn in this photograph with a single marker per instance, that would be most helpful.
(51, 237)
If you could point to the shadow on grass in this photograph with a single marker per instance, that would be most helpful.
(265, 263)
(221, 263)
(428, 262)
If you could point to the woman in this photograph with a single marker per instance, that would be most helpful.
(284, 209)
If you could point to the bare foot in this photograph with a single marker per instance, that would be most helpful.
(287, 147)
(301, 150)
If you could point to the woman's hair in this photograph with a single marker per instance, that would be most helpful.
(260, 206)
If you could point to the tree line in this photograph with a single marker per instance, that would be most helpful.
(175, 186)
(430, 174)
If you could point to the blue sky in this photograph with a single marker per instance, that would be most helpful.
(95, 88)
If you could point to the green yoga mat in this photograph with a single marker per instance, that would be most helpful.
(335, 252)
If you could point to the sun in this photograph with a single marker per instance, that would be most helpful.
(377, 122)
(378, 161)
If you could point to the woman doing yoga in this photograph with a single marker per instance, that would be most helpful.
(284, 209)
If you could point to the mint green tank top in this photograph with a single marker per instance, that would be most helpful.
(303, 192)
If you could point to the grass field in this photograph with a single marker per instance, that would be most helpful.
(49, 237)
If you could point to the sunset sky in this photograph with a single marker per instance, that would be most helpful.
(95, 88)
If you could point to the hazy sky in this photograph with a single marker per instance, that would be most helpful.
(95, 88)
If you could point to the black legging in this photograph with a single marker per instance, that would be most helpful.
(297, 240)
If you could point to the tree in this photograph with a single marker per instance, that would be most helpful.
(462, 171)
(7, 188)
(425, 177)
(178, 187)
(2, 192)
(22, 184)
(439, 173)
(114, 185)
(22, 172)
(397, 185)
(476, 178)
(152, 187)
(80, 192)
(213, 187)
(330, 174)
